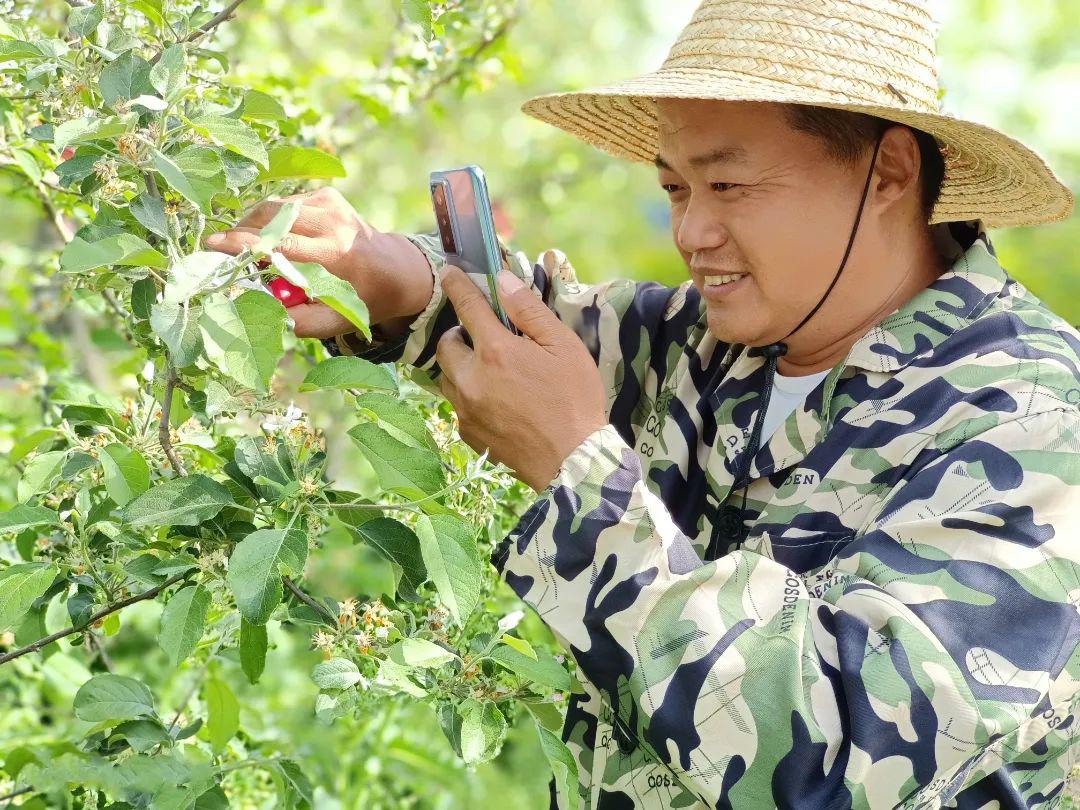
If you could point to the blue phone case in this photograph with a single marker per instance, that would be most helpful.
(471, 242)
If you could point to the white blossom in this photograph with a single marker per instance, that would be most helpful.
(510, 620)
(282, 422)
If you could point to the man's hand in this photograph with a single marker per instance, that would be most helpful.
(390, 274)
(531, 400)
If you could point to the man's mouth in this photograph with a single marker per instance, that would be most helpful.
(727, 278)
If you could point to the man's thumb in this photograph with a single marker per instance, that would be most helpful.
(526, 310)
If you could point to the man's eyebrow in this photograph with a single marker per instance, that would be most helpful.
(727, 154)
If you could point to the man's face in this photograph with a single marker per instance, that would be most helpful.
(770, 210)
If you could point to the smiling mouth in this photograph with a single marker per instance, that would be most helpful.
(726, 278)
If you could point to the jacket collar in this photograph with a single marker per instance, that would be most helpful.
(956, 297)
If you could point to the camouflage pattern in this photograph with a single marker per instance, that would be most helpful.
(899, 629)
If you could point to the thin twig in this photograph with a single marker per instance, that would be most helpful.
(307, 600)
(16, 794)
(123, 603)
(164, 435)
(206, 28)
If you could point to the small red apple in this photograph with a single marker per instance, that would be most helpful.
(67, 154)
(286, 292)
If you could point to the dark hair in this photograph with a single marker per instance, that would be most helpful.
(847, 135)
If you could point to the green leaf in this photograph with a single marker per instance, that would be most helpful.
(411, 471)
(17, 50)
(20, 585)
(40, 473)
(521, 645)
(336, 673)
(271, 234)
(84, 20)
(419, 652)
(234, 135)
(183, 621)
(196, 173)
(483, 729)
(252, 649)
(452, 559)
(257, 565)
(124, 249)
(302, 162)
(544, 670)
(142, 735)
(320, 283)
(186, 501)
(254, 460)
(152, 103)
(222, 712)
(419, 12)
(348, 372)
(261, 106)
(125, 78)
(399, 418)
(177, 324)
(168, 75)
(27, 163)
(91, 128)
(244, 336)
(24, 516)
(562, 762)
(298, 786)
(28, 443)
(399, 544)
(150, 212)
(109, 697)
(127, 474)
(193, 273)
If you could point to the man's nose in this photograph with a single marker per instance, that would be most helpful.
(700, 227)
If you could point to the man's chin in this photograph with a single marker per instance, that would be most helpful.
(729, 329)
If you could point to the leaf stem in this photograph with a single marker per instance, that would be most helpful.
(164, 437)
(307, 600)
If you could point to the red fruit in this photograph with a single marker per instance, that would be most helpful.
(67, 154)
(286, 292)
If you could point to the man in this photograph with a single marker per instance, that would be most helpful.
(807, 522)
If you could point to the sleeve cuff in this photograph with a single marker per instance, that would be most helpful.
(601, 456)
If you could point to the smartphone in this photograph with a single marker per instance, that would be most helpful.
(467, 228)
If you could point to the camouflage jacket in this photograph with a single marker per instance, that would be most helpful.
(899, 628)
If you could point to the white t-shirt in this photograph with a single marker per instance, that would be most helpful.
(787, 394)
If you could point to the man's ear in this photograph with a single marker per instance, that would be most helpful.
(898, 166)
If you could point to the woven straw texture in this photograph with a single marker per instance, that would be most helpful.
(869, 56)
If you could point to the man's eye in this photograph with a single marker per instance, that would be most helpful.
(723, 186)
(670, 188)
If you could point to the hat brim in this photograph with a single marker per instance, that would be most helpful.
(988, 175)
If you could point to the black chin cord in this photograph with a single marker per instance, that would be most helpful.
(774, 351)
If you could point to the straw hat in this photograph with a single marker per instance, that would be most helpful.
(868, 56)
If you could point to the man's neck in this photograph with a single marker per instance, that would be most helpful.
(845, 322)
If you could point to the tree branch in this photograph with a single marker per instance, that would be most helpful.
(123, 603)
(206, 28)
(164, 436)
(307, 600)
(7, 799)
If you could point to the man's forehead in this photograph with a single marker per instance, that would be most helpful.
(708, 131)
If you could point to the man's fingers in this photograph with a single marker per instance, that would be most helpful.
(318, 321)
(311, 221)
(527, 312)
(295, 247)
(451, 353)
(472, 308)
